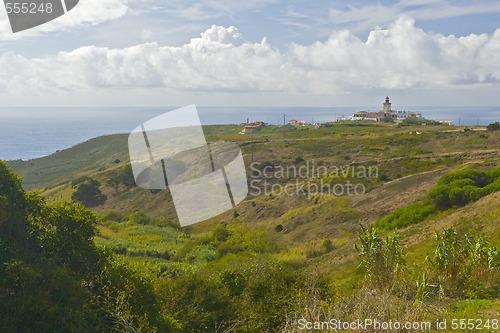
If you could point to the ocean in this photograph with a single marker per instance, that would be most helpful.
(28, 133)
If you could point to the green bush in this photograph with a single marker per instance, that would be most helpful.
(80, 180)
(201, 253)
(317, 250)
(199, 302)
(53, 278)
(251, 295)
(112, 215)
(234, 281)
(224, 249)
(221, 234)
(462, 187)
(491, 188)
(123, 176)
(141, 218)
(494, 126)
(480, 178)
(412, 121)
(494, 173)
(412, 214)
(382, 259)
(466, 266)
(88, 193)
(327, 245)
(298, 160)
(457, 188)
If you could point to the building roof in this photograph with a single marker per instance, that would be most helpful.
(255, 124)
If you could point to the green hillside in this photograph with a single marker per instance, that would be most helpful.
(85, 158)
(429, 193)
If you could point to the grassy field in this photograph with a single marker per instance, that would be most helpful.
(312, 231)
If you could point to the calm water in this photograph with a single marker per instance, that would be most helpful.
(27, 133)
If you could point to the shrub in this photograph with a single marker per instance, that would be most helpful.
(82, 179)
(491, 188)
(317, 250)
(272, 289)
(123, 176)
(313, 252)
(298, 160)
(462, 187)
(439, 196)
(494, 173)
(466, 266)
(384, 178)
(221, 234)
(327, 246)
(112, 215)
(224, 249)
(199, 302)
(382, 259)
(234, 281)
(201, 253)
(88, 193)
(412, 214)
(494, 126)
(412, 121)
(480, 178)
(140, 217)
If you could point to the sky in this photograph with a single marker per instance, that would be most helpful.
(256, 53)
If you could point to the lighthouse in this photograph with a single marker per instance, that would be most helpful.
(387, 106)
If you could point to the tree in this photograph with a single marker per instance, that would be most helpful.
(461, 187)
(88, 193)
(12, 207)
(494, 126)
(53, 278)
(126, 298)
(38, 291)
(68, 236)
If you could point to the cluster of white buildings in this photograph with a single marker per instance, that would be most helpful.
(387, 113)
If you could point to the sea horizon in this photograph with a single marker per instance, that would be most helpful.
(32, 132)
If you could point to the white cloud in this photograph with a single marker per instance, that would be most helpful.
(219, 34)
(87, 12)
(401, 57)
(147, 36)
(367, 16)
(196, 10)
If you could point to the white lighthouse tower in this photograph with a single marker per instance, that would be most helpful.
(387, 106)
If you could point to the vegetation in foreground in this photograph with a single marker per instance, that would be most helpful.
(273, 262)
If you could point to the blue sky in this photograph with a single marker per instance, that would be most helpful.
(261, 52)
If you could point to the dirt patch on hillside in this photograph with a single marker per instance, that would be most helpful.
(396, 194)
